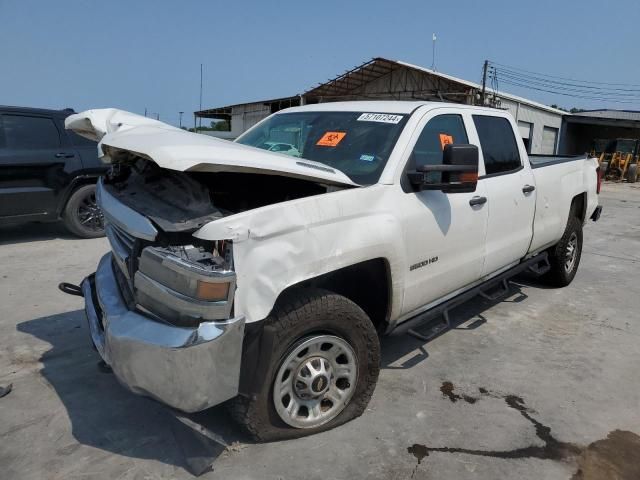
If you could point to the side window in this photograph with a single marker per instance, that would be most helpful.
(499, 147)
(30, 132)
(438, 132)
(79, 141)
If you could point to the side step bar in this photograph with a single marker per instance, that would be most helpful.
(537, 265)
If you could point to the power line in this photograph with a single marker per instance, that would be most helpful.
(540, 80)
(604, 99)
(564, 78)
(564, 86)
(567, 87)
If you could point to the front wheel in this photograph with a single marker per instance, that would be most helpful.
(632, 173)
(322, 371)
(564, 257)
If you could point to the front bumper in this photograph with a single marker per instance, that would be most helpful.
(186, 368)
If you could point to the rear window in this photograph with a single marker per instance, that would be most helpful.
(30, 133)
(498, 143)
(356, 143)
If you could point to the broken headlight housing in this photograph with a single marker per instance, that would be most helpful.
(186, 285)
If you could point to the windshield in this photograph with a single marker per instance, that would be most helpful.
(356, 143)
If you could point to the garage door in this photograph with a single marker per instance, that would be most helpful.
(549, 140)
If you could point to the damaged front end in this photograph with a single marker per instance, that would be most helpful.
(162, 269)
(160, 308)
(161, 305)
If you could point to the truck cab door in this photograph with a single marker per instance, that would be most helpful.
(510, 190)
(34, 166)
(444, 233)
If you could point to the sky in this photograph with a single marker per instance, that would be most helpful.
(141, 54)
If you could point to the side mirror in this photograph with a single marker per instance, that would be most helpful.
(459, 171)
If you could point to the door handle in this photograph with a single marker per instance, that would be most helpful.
(477, 201)
(65, 155)
(528, 189)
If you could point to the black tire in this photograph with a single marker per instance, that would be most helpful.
(632, 173)
(299, 314)
(81, 216)
(559, 255)
(603, 169)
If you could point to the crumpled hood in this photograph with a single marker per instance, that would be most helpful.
(177, 149)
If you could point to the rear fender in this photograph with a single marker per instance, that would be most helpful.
(78, 181)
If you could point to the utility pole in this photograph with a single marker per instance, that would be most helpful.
(180, 113)
(484, 81)
(201, 92)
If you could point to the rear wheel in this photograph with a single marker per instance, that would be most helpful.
(82, 216)
(632, 173)
(321, 373)
(564, 257)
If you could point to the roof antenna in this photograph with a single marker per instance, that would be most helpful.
(433, 53)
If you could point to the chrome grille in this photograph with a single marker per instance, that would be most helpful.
(122, 245)
(124, 238)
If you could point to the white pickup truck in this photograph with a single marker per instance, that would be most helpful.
(265, 279)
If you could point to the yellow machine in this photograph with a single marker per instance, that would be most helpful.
(619, 159)
(599, 149)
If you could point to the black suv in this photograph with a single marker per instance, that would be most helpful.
(46, 172)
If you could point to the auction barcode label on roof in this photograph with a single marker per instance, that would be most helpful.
(380, 117)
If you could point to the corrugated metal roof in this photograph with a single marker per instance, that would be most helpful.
(216, 112)
(633, 115)
(379, 67)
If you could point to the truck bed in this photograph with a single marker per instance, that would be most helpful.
(538, 161)
(566, 178)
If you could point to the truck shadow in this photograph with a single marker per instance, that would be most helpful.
(104, 415)
(468, 316)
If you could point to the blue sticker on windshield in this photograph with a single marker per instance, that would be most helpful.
(367, 158)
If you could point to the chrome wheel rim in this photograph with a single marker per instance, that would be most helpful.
(315, 382)
(571, 252)
(89, 214)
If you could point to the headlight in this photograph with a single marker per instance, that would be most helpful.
(185, 285)
(212, 292)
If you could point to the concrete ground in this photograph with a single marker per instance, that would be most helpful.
(544, 384)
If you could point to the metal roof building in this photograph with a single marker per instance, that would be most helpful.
(581, 128)
(381, 78)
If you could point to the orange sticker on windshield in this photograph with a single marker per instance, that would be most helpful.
(445, 140)
(331, 139)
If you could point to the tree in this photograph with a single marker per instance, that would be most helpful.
(221, 126)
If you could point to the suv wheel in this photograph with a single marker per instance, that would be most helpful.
(82, 216)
